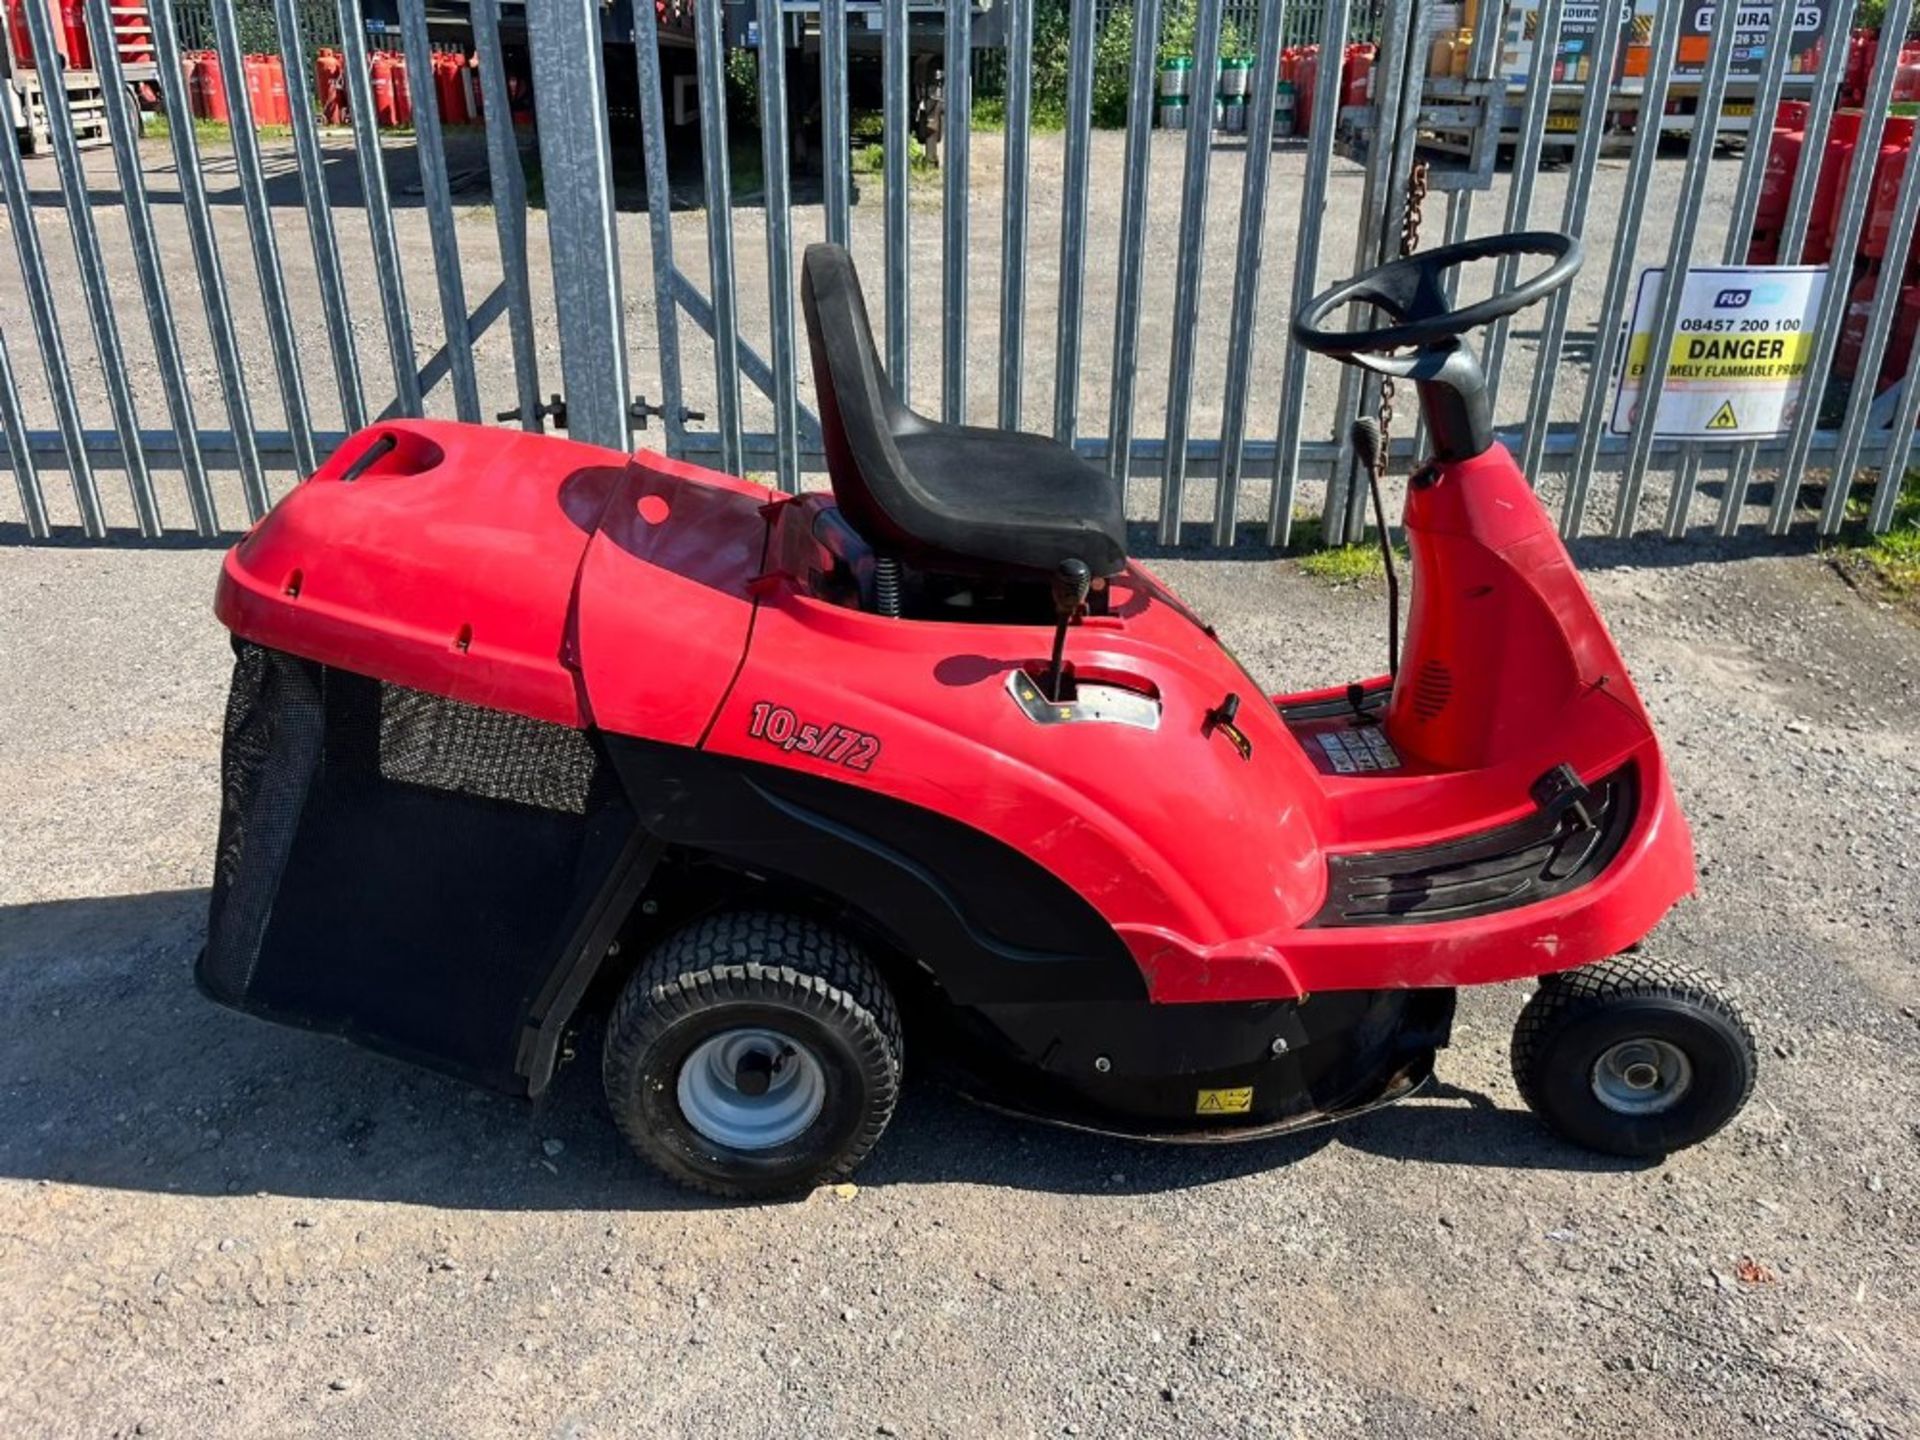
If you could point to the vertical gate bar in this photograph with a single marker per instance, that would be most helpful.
(1886, 300)
(653, 141)
(1388, 188)
(266, 245)
(1893, 467)
(1133, 234)
(116, 103)
(1833, 302)
(206, 262)
(1746, 205)
(836, 143)
(1073, 223)
(93, 267)
(373, 192)
(1666, 324)
(313, 191)
(1620, 276)
(773, 162)
(1753, 165)
(1246, 268)
(894, 143)
(509, 183)
(46, 330)
(1526, 171)
(1187, 270)
(1819, 120)
(1581, 172)
(711, 60)
(570, 103)
(1838, 19)
(13, 429)
(956, 145)
(1306, 261)
(1013, 239)
(437, 193)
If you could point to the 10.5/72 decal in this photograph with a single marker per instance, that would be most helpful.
(835, 743)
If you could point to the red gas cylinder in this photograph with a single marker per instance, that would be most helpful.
(329, 91)
(402, 90)
(1776, 181)
(275, 70)
(1834, 165)
(1906, 76)
(1358, 66)
(1309, 79)
(380, 69)
(1792, 115)
(17, 31)
(448, 94)
(211, 89)
(1853, 334)
(256, 79)
(73, 35)
(1862, 46)
(1853, 330)
(1896, 143)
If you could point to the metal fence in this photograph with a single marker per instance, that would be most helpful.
(1126, 291)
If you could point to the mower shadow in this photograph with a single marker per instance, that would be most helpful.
(119, 1074)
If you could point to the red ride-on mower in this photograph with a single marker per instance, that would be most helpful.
(517, 720)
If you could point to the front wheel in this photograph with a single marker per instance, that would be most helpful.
(1633, 1056)
(753, 1054)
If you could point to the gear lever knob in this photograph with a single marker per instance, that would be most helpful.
(1071, 582)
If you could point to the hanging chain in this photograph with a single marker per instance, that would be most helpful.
(1409, 242)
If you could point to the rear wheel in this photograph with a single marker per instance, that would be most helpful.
(1633, 1056)
(754, 1054)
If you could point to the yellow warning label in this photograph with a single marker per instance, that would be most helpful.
(1723, 418)
(1225, 1102)
(1726, 357)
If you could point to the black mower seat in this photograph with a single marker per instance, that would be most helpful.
(959, 498)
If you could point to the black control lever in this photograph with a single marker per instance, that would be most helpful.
(1370, 444)
(1071, 582)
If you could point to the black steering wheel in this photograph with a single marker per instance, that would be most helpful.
(1409, 289)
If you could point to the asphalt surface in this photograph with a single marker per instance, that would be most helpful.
(212, 1227)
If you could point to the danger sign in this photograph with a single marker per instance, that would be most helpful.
(1739, 355)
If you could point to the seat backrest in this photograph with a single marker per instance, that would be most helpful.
(859, 412)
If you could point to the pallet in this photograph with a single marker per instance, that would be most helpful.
(86, 103)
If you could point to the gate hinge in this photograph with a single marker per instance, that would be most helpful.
(555, 409)
(639, 410)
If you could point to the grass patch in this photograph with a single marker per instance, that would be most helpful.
(871, 159)
(1339, 565)
(1893, 558)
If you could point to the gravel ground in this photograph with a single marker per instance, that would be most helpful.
(213, 1227)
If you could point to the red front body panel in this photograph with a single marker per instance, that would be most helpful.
(651, 598)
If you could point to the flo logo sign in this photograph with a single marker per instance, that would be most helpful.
(1734, 363)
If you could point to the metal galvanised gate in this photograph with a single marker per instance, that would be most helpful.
(1126, 291)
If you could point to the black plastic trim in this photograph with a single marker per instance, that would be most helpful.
(1501, 869)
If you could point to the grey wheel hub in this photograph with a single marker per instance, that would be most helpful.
(751, 1089)
(1641, 1077)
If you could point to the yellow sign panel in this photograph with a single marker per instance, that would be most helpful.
(1724, 418)
(1767, 359)
(1225, 1102)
